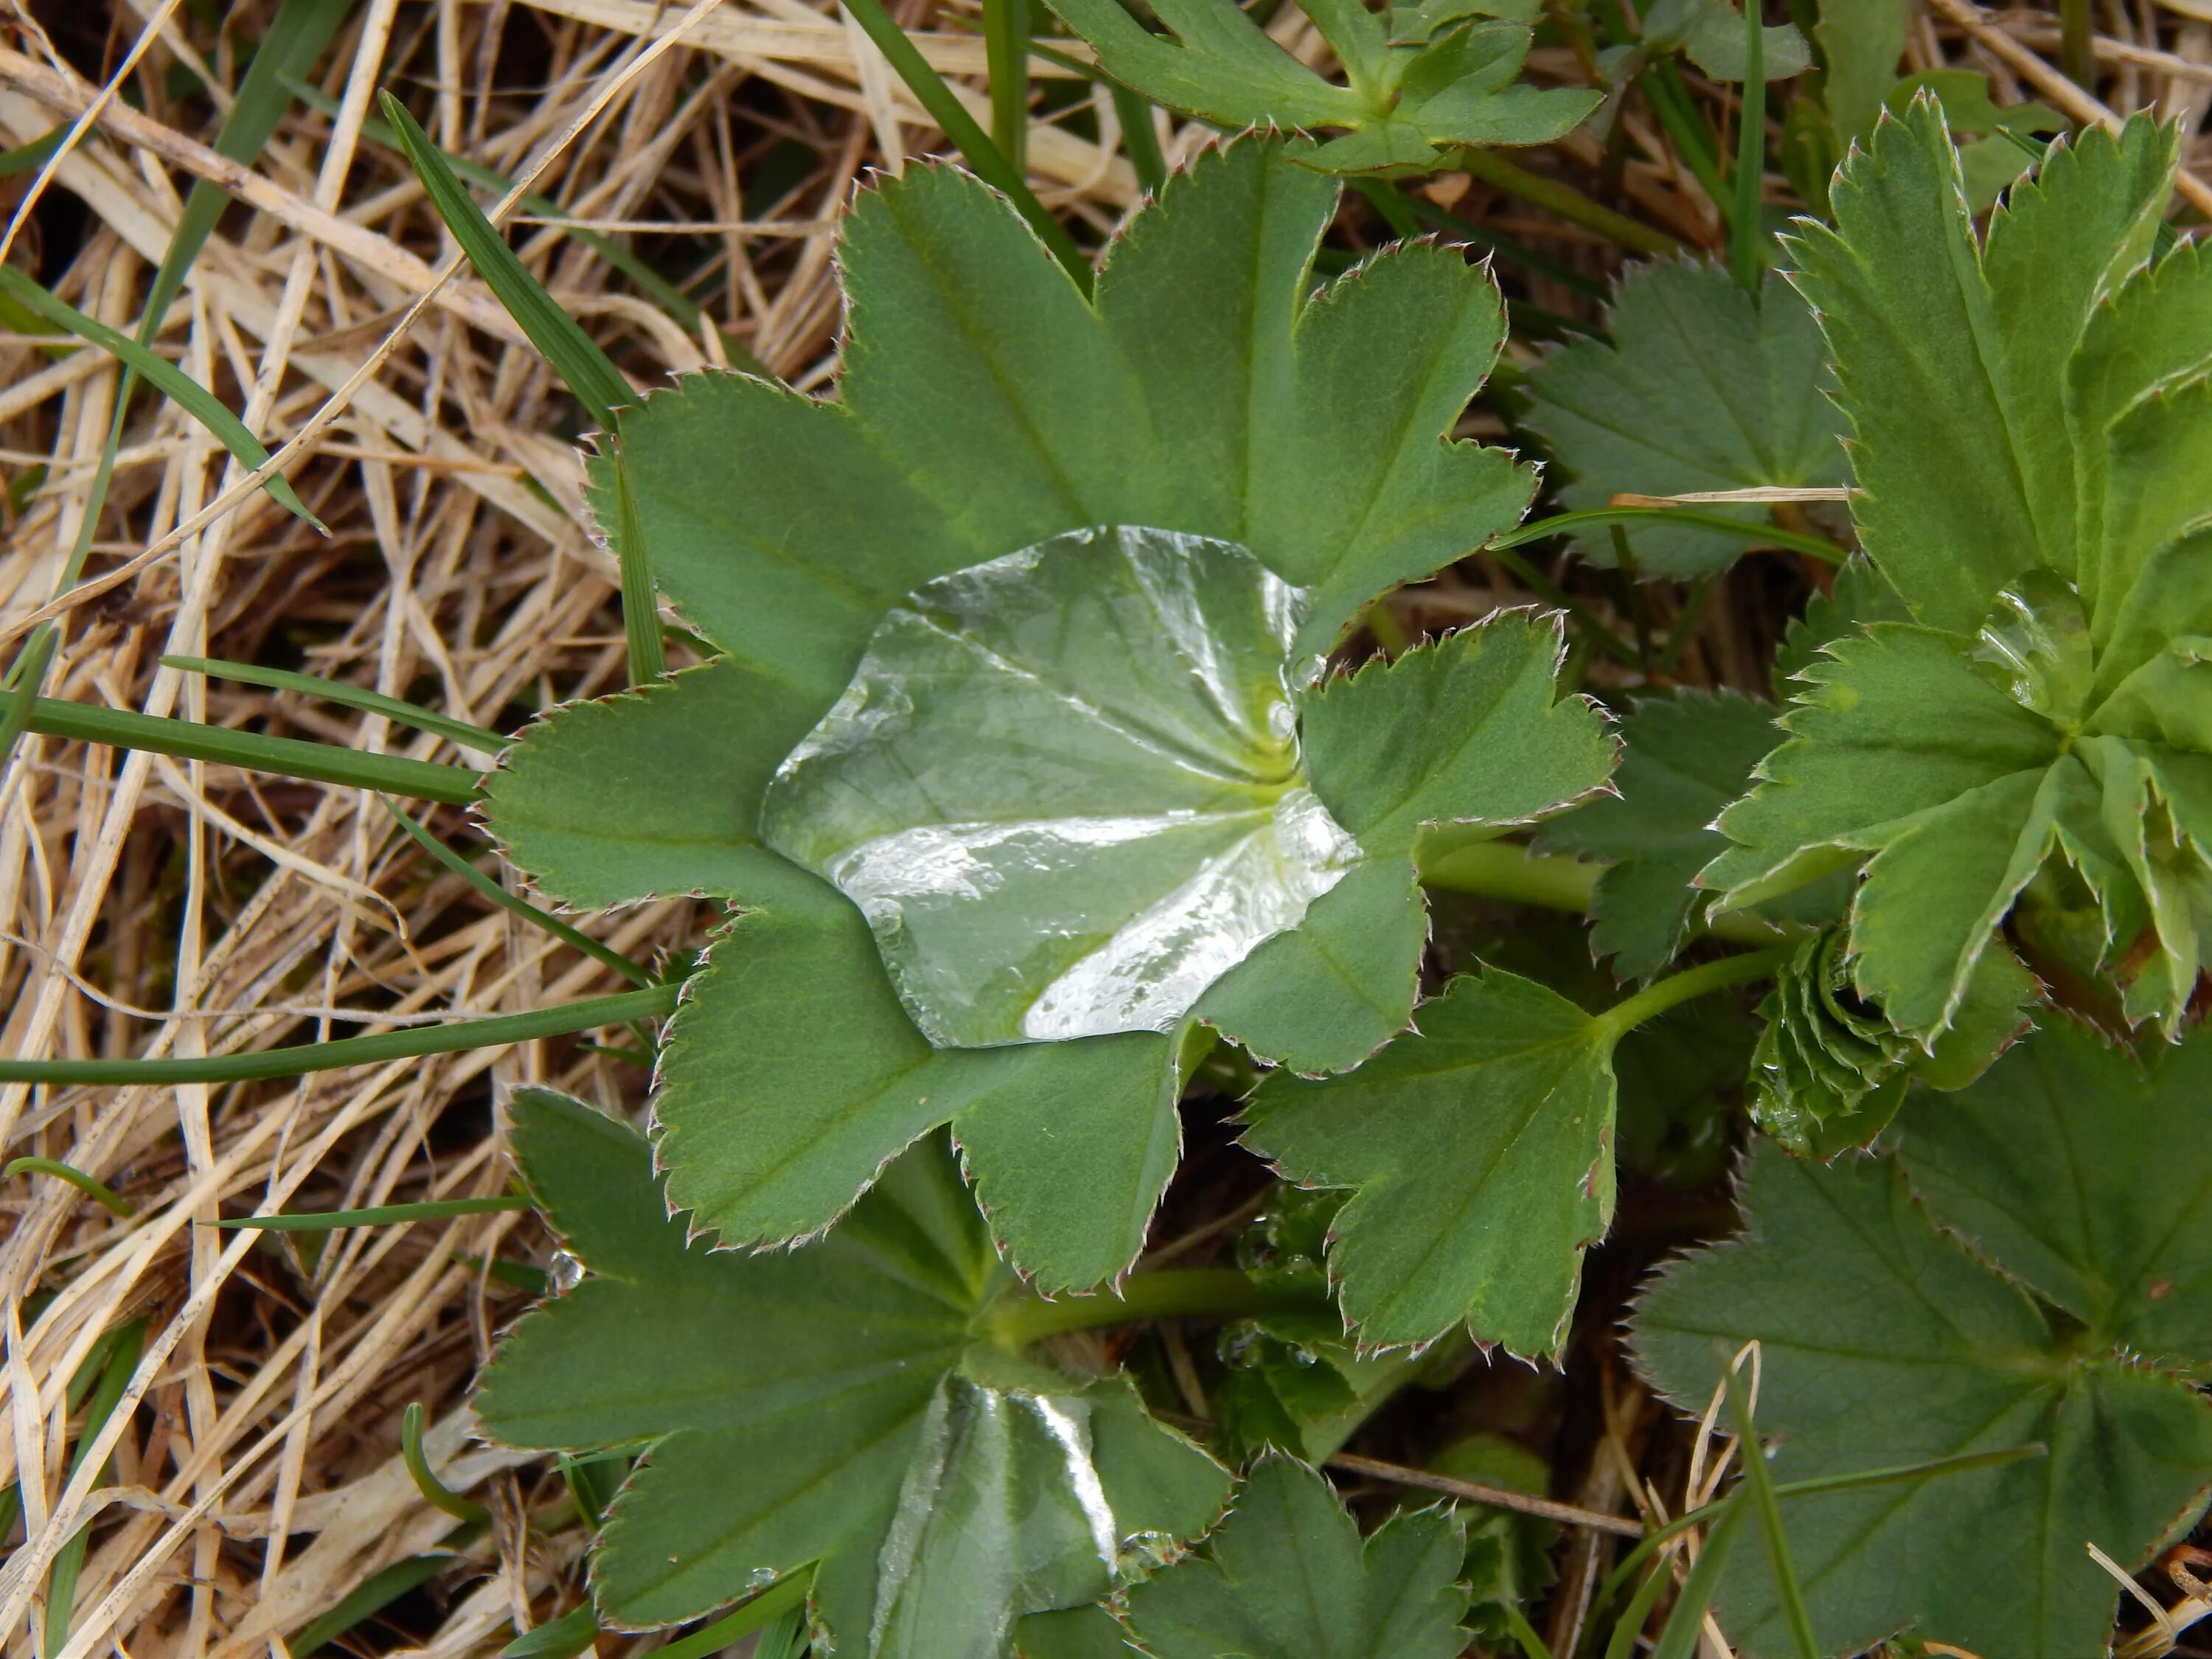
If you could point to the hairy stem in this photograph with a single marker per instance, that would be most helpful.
(1171, 1293)
(1678, 988)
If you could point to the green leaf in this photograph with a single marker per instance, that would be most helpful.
(1882, 1341)
(1700, 389)
(165, 377)
(1420, 80)
(650, 791)
(597, 383)
(2085, 1175)
(827, 1406)
(1860, 41)
(791, 1075)
(1683, 759)
(1467, 730)
(1949, 515)
(1063, 788)
(1480, 1152)
(1861, 596)
(1287, 1573)
(1711, 32)
(1969, 766)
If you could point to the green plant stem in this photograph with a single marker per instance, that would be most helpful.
(460, 733)
(1568, 203)
(1694, 140)
(1706, 977)
(1679, 1640)
(435, 1209)
(1138, 138)
(945, 109)
(98, 1191)
(1507, 870)
(514, 903)
(641, 610)
(769, 1605)
(317, 762)
(453, 1037)
(1589, 628)
(436, 1492)
(1746, 227)
(1006, 30)
(1171, 1293)
(2078, 54)
(1759, 1480)
(1750, 529)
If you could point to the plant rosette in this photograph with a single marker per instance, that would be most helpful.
(2035, 742)
(1017, 763)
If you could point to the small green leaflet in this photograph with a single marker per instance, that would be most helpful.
(827, 1405)
(1992, 161)
(1480, 1151)
(1711, 34)
(1701, 389)
(1205, 392)
(1421, 78)
(1683, 758)
(1287, 1573)
(1883, 1342)
(1949, 513)
(2043, 739)
(1967, 766)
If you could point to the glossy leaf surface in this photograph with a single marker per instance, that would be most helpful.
(829, 1404)
(1884, 1342)
(1699, 389)
(1419, 78)
(1288, 1573)
(1063, 787)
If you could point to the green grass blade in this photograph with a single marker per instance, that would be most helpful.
(564, 1638)
(295, 40)
(291, 757)
(455, 1037)
(1532, 1645)
(25, 158)
(989, 163)
(784, 1638)
(674, 301)
(381, 1215)
(1139, 138)
(575, 357)
(640, 616)
(61, 1585)
(1006, 30)
(372, 1597)
(98, 1191)
(1633, 1618)
(1751, 529)
(188, 394)
(772, 1602)
(460, 733)
(436, 1492)
(521, 907)
(1748, 226)
(1679, 1639)
(1759, 1480)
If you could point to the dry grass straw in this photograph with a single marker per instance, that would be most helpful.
(161, 908)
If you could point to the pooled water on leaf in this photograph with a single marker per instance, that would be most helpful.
(1063, 786)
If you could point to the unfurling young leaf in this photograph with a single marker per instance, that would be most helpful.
(1702, 388)
(2074, 1181)
(831, 1409)
(1287, 1573)
(1420, 78)
(2041, 735)
(1013, 763)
